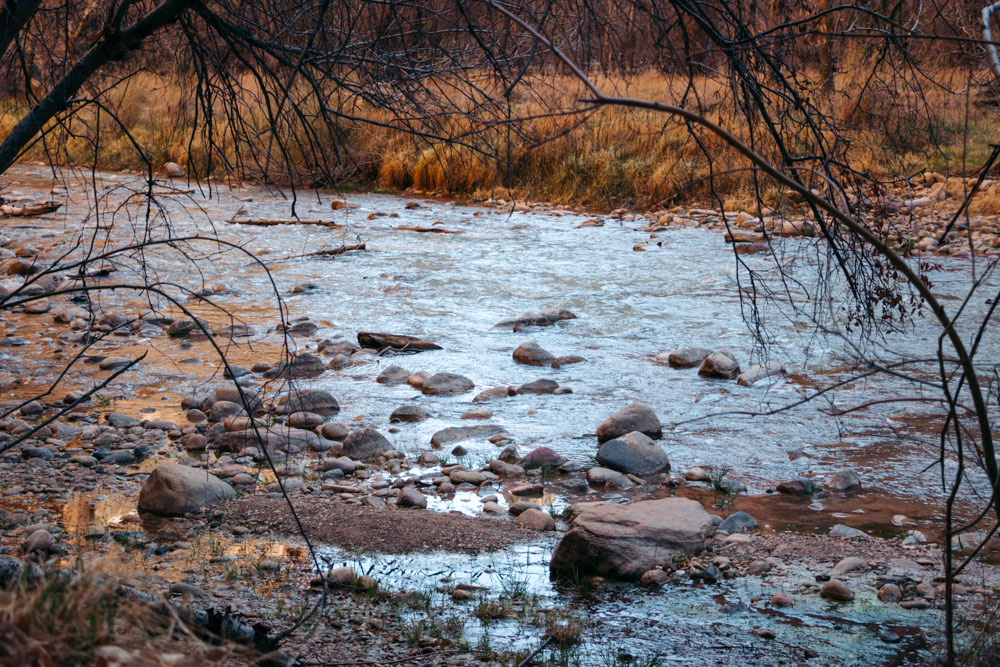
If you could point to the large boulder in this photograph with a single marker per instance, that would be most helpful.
(623, 541)
(307, 400)
(445, 384)
(174, 489)
(633, 453)
(719, 364)
(636, 417)
(365, 444)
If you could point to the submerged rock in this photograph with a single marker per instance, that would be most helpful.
(174, 489)
(542, 318)
(624, 541)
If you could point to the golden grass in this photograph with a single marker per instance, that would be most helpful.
(82, 620)
(610, 157)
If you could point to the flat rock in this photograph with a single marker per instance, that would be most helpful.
(447, 384)
(636, 417)
(173, 489)
(532, 354)
(719, 364)
(452, 434)
(400, 343)
(624, 541)
(633, 453)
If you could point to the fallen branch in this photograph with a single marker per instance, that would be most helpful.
(325, 252)
(273, 223)
(28, 210)
(431, 230)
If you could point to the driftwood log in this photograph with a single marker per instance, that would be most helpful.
(384, 341)
(27, 210)
(264, 222)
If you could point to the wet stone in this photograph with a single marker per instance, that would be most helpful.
(837, 590)
(636, 417)
(738, 522)
(408, 413)
(532, 354)
(719, 364)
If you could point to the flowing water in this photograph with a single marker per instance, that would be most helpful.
(453, 288)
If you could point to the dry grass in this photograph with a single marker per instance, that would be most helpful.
(82, 620)
(605, 159)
